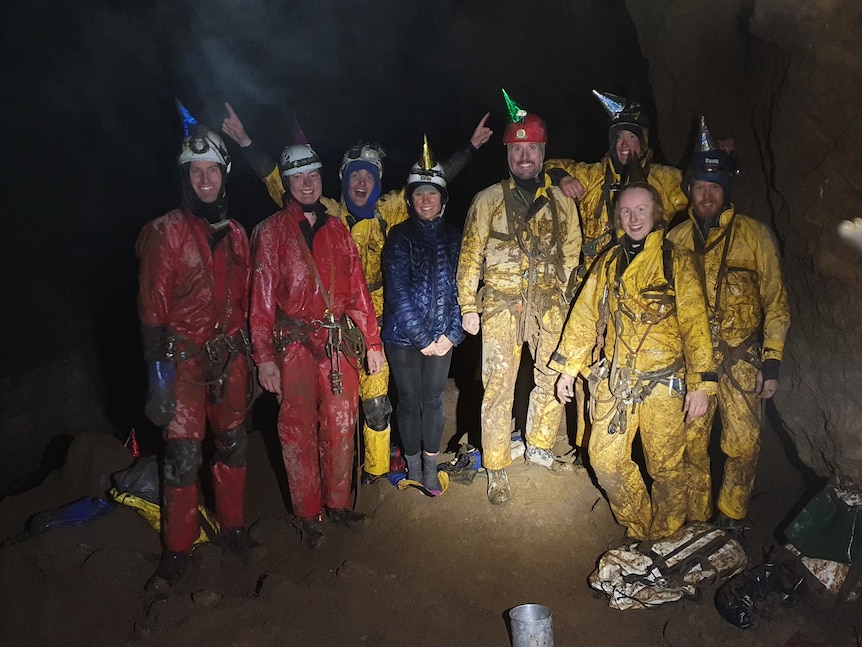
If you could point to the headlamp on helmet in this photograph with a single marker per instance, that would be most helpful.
(204, 145)
(426, 171)
(523, 126)
(709, 163)
(363, 152)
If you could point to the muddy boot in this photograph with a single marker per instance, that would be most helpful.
(538, 456)
(312, 533)
(171, 568)
(238, 541)
(498, 487)
(736, 528)
(429, 477)
(345, 516)
(414, 467)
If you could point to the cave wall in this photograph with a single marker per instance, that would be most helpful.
(782, 79)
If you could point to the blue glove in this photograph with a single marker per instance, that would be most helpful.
(161, 399)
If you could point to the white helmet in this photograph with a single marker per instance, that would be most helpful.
(204, 145)
(298, 158)
(363, 152)
(433, 175)
(426, 171)
(420, 176)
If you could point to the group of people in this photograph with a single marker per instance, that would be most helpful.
(573, 259)
(300, 307)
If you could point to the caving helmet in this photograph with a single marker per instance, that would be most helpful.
(298, 157)
(709, 163)
(427, 171)
(523, 126)
(368, 152)
(204, 145)
(625, 115)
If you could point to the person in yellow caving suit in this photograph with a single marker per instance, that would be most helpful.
(747, 301)
(522, 238)
(596, 185)
(643, 310)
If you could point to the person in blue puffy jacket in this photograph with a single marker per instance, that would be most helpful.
(421, 317)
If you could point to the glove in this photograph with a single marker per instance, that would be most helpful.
(769, 369)
(161, 399)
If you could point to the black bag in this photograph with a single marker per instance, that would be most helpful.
(759, 594)
(140, 479)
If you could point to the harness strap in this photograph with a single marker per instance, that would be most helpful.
(288, 330)
(214, 357)
(747, 351)
(699, 557)
(602, 214)
(181, 348)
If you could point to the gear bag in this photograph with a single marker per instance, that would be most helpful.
(759, 594)
(141, 479)
(464, 467)
(646, 574)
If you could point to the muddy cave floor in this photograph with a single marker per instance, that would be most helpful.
(422, 571)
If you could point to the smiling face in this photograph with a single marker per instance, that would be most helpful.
(205, 179)
(627, 146)
(525, 159)
(707, 199)
(305, 187)
(360, 183)
(637, 213)
(427, 202)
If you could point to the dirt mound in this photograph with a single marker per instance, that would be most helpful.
(421, 571)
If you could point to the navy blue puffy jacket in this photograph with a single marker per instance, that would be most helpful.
(419, 295)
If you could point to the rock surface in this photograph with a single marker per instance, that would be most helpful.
(781, 79)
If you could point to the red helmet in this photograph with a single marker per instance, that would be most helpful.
(531, 130)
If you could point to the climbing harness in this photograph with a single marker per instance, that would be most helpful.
(628, 386)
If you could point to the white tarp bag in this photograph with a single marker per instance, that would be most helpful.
(646, 574)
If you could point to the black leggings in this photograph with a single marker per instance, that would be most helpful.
(420, 382)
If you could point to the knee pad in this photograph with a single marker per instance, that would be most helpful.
(182, 462)
(231, 447)
(377, 411)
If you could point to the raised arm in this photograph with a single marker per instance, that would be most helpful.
(459, 160)
(261, 163)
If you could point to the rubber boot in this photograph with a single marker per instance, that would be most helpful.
(171, 568)
(345, 516)
(377, 453)
(229, 489)
(498, 487)
(414, 467)
(736, 528)
(180, 525)
(430, 479)
(312, 533)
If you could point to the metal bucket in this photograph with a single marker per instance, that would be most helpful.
(532, 626)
